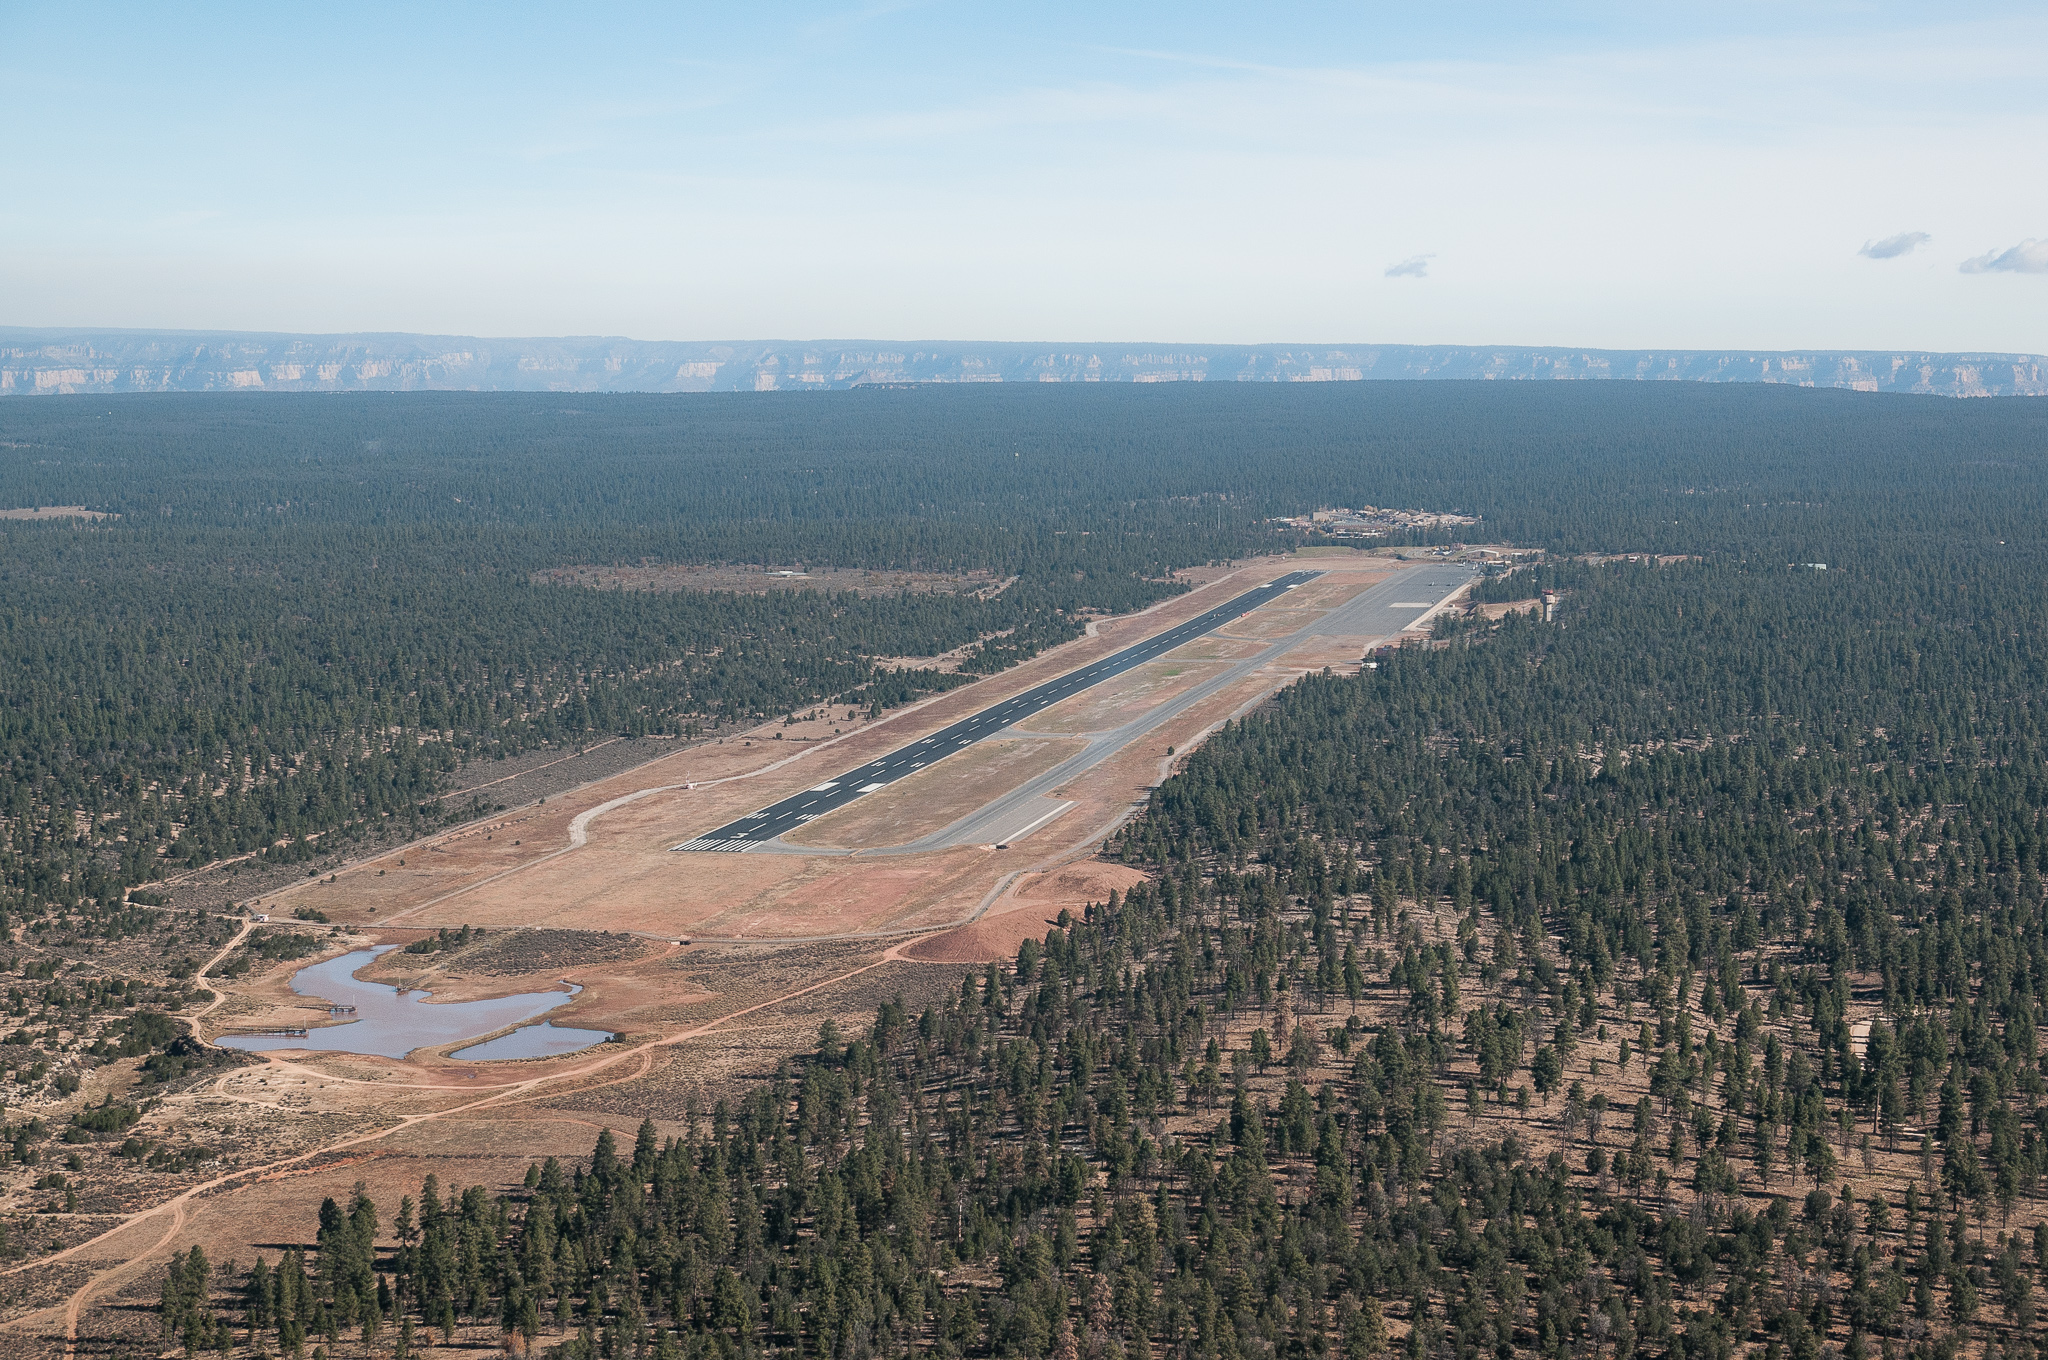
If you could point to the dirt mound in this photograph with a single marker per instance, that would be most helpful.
(1028, 914)
(996, 937)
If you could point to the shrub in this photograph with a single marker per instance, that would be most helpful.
(107, 1118)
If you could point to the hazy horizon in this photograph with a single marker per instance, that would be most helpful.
(1198, 342)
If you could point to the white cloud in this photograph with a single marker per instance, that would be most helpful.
(1414, 267)
(1891, 247)
(2028, 257)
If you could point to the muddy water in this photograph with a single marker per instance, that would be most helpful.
(545, 1040)
(390, 1023)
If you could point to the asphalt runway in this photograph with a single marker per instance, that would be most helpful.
(1376, 612)
(756, 829)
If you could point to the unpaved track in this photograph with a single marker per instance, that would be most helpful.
(576, 839)
(76, 1303)
(1102, 746)
(549, 765)
(1091, 630)
(511, 1092)
(579, 826)
(219, 995)
(640, 1058)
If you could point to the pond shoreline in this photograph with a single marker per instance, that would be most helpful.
(391, 1023)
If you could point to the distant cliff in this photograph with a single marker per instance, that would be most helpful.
(60, 361)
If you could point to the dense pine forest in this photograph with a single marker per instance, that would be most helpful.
(301, 613)
(1662, 980)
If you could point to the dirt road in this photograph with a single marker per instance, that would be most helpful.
(174, 1211)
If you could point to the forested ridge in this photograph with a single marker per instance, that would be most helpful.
(1665, 980)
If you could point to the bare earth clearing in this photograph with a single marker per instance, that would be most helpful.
(751, 580)
(584, 885)
(53, 512)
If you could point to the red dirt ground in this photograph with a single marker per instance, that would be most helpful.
(598, 859)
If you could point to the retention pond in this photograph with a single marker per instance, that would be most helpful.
(545, 1040)
(390, 1024)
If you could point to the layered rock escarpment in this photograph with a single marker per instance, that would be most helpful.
(65, 361)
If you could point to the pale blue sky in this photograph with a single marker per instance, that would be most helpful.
(1582, 174)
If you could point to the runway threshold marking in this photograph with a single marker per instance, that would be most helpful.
(757, 828)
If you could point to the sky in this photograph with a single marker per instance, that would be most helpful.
(1867, 175)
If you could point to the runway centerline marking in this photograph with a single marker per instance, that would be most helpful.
(757, 828)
